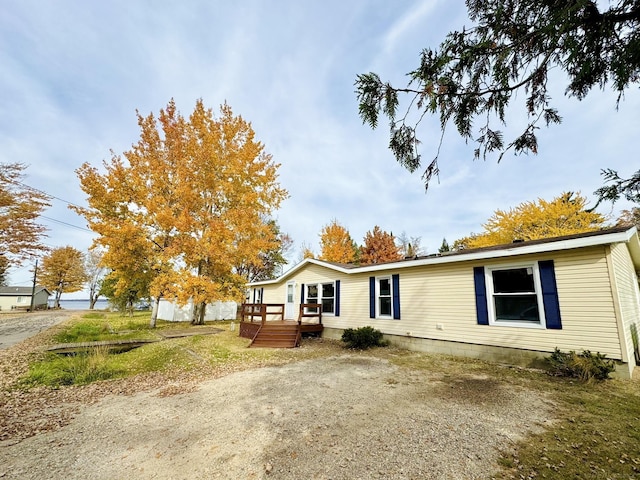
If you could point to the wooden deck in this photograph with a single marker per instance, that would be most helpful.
(265, 325)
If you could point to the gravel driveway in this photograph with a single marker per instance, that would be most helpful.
(350, 416)
(16, 327)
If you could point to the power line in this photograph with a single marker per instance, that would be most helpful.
(57, 198)
(67, 224)
(47, 194)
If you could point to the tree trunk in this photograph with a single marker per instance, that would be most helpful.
(56, 302)
(92, 300)
(154, 312)
(93, 296)
(198, 314)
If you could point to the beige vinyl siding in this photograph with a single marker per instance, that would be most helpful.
(318, 274)
(628, 296)
(7, 302)
(274, 293)
(438, 302)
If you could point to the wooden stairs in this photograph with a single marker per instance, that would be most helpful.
(277, 336)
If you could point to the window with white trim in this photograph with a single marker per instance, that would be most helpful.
(515, 295)
(384, 299)
(322, 293)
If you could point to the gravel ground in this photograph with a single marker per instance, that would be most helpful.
(347, 416)
(16, 327)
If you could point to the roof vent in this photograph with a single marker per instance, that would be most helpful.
(518, 240)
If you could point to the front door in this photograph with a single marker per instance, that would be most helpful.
(289, 310)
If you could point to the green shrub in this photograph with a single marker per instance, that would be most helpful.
(363, 338)
(584, 366)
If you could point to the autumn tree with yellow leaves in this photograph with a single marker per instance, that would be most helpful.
(566, 214)
(379, 247)
(63, 271)
(271, 260)
(20, 206)
(185, 206)
(336, 244)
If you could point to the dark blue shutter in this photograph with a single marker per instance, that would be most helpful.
(395, 283)
(254, 295)
(482, 311)
(550, 294)
(372, 297)
(302, 293)
(262, 295)
(337, 299)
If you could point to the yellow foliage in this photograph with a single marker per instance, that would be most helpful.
(336, 244)
(63, 270)
(564, 215)
(186, 203)
(20, 207)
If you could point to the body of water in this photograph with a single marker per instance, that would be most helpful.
(101, 304)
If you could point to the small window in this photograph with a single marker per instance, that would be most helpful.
(328, 297)
(384, 297)
(290, 289)
(516, 295)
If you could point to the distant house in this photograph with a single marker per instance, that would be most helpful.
(19, 298)
(509, 303)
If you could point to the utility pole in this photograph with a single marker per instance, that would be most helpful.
(33, 288)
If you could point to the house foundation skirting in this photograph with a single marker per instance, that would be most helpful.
(505, 355)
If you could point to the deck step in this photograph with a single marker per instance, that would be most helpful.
(276, 336)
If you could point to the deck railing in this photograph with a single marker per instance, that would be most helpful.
(262, 311)
(310, 310)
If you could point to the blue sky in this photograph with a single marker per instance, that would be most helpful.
(74, 72)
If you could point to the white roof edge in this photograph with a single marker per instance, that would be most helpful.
(625, 236)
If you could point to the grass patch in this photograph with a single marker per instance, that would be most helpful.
(598, 435)
(222, 351)
(79, 369)
(98, 326)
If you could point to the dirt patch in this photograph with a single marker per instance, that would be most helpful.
(348, 416)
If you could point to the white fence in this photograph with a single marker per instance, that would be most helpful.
(172, 312)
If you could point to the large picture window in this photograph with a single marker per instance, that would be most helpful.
(515, 296)
(322, 293)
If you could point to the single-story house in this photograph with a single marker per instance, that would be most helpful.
(509, 303)
(19, 298)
